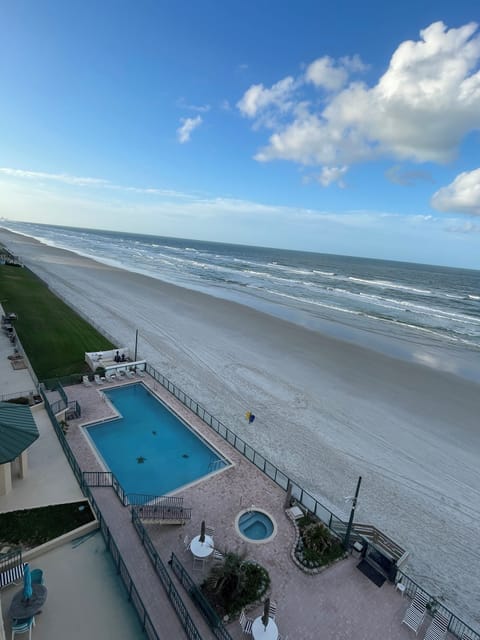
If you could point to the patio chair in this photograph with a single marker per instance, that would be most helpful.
(217, 556)
(272, 612)
(37, 576)
(86, 382)
(121, 373)
(97, 379)
(186, 542)
(129, 373)
(198, 563)
(415, 614)
(245, 623)
(140, 373)
(438, 627)
(13, 575)
(22, 625)
(210, 531)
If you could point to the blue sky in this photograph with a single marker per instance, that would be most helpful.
(335, 127)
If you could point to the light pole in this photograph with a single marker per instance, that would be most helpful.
(346, 540)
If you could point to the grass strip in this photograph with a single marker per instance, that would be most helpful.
(54, 337)
(31, 527)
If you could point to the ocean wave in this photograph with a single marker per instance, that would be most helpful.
(389, 285)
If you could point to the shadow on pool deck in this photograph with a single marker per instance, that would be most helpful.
(337, 604)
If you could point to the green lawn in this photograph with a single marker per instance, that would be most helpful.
(54, 337)
(32, 527)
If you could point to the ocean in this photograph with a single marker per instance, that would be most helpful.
(423, 313)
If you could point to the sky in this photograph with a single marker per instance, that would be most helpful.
(338, 127)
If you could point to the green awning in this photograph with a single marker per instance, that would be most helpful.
(17, 430)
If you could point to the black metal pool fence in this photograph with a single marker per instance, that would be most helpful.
(456, 626)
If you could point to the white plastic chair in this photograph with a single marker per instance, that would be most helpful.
(246, 623)
(217, 556)
(438, 627)
(272, 611)
(23, 625)
(210, 531)
(186, 542)
(198, 563)
(86, 382)
(14, 575)
(97, 379)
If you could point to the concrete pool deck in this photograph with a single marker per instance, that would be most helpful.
(339, 603)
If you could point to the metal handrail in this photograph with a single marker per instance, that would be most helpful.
(168, 584)
(201, 602)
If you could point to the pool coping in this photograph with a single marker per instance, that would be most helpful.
(83, 429)
(253, 540)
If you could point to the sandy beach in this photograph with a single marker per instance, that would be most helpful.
(326, 411)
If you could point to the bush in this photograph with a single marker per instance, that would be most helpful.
(234, 584)
(32, 527)
(317, 546)
(21, 400)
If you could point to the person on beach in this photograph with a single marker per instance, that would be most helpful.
(250, 417)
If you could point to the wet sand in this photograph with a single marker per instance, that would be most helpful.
(326, 411)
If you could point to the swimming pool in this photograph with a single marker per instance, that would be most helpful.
(149, 449)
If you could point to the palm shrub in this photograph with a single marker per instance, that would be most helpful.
(235, 583)
(317, 546)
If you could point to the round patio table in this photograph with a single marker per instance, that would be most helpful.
(202, 549)
(260, 633)
(21, 608)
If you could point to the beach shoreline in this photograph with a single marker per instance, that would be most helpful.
(326, 411)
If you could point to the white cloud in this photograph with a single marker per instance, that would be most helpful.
(461, 196)
(325, 72)
(420, 109)
(407, 177)
(258, 98)
(201, 108)
(332, 174)
(42, 176)
(188, 125)
(57, 177)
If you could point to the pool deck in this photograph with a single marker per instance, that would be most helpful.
(339, 603)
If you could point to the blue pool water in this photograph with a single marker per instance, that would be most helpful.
(149, 449)
(255, 525)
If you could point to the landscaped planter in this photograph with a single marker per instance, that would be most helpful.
(297, 554)
(44, 527)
